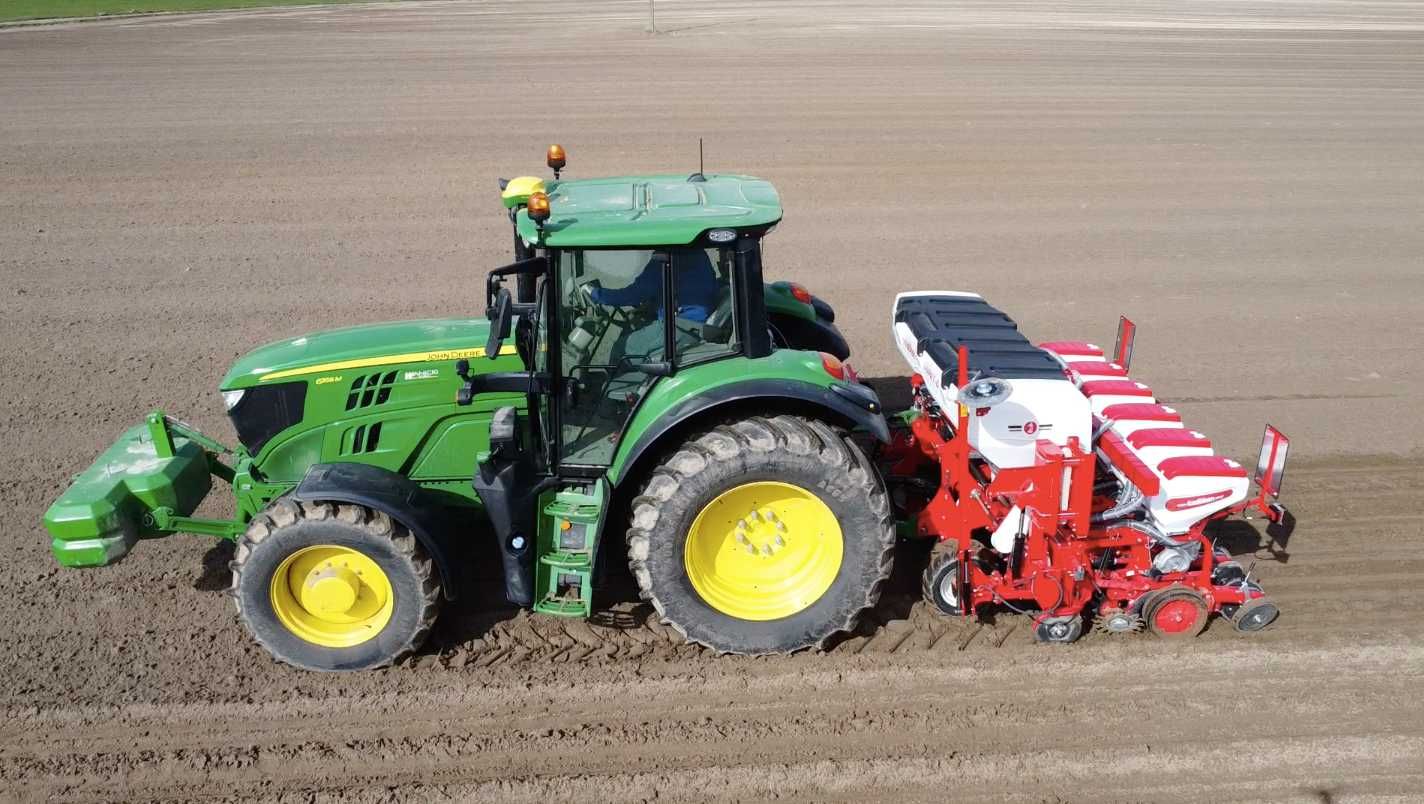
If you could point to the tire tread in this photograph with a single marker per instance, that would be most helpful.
(730, 443)
(285, 512)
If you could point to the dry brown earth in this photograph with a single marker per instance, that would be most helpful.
(1245, 178)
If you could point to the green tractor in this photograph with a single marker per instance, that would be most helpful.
(634, 382)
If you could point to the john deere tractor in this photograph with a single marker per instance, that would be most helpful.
(630, 395)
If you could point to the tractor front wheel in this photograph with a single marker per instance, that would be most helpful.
(765, 535)
(326, 586)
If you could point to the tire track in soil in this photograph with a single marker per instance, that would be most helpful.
(921, 702)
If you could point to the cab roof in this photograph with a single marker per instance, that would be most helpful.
(640, 211)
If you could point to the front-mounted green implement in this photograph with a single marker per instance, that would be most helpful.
(641, 379)
(146, 485)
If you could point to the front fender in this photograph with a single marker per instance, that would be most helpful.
(393, 494)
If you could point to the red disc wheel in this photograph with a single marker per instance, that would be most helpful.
(1177, 614)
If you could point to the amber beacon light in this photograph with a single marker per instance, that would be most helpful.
(538, 207)
(557, 159)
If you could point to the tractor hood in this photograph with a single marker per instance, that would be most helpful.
(360, 347)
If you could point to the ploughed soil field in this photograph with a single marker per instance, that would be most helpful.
(1245, 179)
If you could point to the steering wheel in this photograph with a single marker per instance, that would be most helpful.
(623, 316)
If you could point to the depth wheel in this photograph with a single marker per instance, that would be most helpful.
(1177, 613)
(333, 587)
(940, 582)
(1254, 615)
(1059, 630)
(765, 535)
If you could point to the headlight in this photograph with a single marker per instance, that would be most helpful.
(263, 411)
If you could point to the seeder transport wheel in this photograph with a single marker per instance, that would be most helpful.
(1254, 615)
(1059, 629)
(1177, 613)
(326, 586)
(765, 535)
(941, 580)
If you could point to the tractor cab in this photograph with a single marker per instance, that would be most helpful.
(626, 283)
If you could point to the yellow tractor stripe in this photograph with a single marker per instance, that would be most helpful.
(409, 357)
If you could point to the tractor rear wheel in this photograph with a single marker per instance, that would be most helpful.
(765, 535)
(326, 586)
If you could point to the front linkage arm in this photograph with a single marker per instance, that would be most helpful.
(162, 428)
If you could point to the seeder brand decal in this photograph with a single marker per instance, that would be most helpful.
(1181, 503)
(1029, 427)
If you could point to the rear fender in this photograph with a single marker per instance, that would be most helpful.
(849, 404)
(393, 494)
(814, 334)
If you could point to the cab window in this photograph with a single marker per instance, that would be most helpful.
(616, 316)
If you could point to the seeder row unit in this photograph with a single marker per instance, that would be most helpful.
(1053, 481)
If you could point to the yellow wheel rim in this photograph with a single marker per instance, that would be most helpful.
(332, 596)
(762, 551)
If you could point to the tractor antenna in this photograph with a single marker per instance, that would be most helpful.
(698, 175)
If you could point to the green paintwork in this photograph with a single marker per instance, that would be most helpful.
(784, 364)
(636, 211)
(452, 336)
(780, 301)
(134, 491)
(423, 433)
(107, 508)
(568, 555)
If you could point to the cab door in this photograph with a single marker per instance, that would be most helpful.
(611, 326)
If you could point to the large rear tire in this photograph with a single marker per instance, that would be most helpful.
(766, 535)
(333, 587)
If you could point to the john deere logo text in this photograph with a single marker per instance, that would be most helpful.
(456, 354)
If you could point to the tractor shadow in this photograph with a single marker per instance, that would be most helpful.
(481, 621)
(216, 575)
(894, 392)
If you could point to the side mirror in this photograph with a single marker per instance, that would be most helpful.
(501, 315)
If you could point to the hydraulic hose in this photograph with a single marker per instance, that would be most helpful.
(1129, 497)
